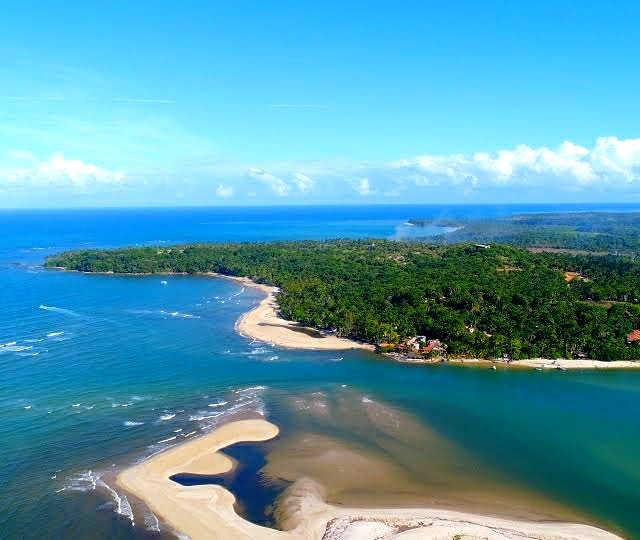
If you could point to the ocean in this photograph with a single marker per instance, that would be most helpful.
(98, 372)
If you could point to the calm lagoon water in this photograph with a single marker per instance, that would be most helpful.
(99, 371)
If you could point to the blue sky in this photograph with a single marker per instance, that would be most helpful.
(207, 103)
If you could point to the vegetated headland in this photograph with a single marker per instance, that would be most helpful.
(424, 302)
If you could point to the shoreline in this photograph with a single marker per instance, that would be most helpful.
(263, 323)
(207, 511)
(540, 364)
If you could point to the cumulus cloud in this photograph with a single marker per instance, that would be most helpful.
(303, 182)
(608, 168)
(275, 184)
(610, 161)
(57, 170)
(223, 191)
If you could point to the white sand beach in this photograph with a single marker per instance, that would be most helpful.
(207, 511)
(527, 363)
(264, 324)
(578, 363)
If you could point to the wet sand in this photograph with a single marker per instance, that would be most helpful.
(207, 511)
(368, 453)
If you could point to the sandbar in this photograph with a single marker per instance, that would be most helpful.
(206, 511)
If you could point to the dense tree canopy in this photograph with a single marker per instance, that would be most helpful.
(480, 302)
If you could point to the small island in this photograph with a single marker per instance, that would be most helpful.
(424, 302)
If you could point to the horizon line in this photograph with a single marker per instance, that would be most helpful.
(303, 205)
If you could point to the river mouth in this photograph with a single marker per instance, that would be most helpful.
(366, 453)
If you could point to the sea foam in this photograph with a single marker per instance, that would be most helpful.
(86, 481)
(59, 310)
(151, 522)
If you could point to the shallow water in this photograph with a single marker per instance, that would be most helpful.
(254, 492)
(106, 368)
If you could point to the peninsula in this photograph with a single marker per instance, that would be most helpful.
(465, 301)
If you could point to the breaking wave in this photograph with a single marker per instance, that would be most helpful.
(218, 404)
(87, 481)
(241, 400)
(151, 522)
(238, 293)
(123, 506)
(15, 348)
(59, 310)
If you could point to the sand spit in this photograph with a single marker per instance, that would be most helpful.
(206, 511)
(264, 324)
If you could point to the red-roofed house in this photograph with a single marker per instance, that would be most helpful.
(633, 336)
(433, 345)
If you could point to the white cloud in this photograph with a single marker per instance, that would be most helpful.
(364, 187)
(607, 169)
(224, 191)
(613, 157)
(303, 182)
(57, 170)
(275, 184)
(610, 161)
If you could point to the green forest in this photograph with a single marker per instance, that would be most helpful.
(480, 302)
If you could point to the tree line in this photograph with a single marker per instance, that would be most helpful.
(480, 302)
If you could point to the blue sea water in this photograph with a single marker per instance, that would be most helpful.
(99, 371)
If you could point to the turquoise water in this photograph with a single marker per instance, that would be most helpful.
(104, 368)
